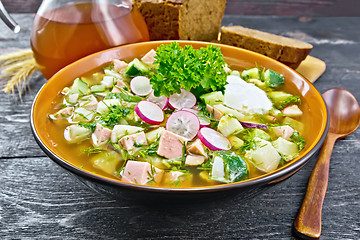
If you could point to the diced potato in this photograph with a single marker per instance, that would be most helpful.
(228, 126)
(264, 156)
(153, 135)
(107, 161)
(218, 169)
(108, 81)
(236, 142)
(76, 133)
(288, 149)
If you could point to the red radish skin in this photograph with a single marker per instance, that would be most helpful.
(149, 112)
(254, 125)
(161, 101)
(141, 86)
(183, 123)
(292, 111)
(183, 100)
(213, 140)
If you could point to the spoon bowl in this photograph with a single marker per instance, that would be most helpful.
(344, 112)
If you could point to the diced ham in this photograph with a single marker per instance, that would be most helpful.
(214, 112)
(119, 65)
(141, 173)
(194, 160)
(89, 102)
(177, 179)
(149, 58)
(283, 131)
(63, 113)
(100, 135)
(133, 142)
(171, 145)
(197, 148)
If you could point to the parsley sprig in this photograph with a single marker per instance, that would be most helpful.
(199, 71)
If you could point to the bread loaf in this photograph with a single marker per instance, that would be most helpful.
(286, 50)
(182, 19)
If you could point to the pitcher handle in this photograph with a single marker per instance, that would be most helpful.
(8, 20)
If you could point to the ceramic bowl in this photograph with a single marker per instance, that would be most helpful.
(312, 102)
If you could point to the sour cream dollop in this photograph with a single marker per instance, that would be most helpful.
(246, 97)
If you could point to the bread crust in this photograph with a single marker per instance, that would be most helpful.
(287, 50)
(182, 19)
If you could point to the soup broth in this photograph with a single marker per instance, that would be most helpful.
(92, 158)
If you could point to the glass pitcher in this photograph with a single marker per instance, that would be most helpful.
(66, 30)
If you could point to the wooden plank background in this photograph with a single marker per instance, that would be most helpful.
(247, 7)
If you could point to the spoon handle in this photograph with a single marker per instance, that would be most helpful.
(308, 220)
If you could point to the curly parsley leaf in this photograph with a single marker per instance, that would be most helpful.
(114, 115)
(299, 140)
(198, 70)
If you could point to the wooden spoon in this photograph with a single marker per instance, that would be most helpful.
(344, 112)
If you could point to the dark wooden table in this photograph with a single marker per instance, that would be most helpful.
(39, 200)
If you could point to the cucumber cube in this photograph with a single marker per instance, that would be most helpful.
(97, 88)
(80, 87)
(136, 67)
(273, 79)
(212, 98)
(153, 135)
(252, 73)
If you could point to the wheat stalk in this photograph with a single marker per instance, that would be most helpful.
(16, 70)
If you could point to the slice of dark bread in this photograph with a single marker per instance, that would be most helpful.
(182, 19)
(286, 50)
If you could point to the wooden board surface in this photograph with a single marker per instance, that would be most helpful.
(311, 68)
(39, 200)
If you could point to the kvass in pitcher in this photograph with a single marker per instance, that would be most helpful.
(64, 31)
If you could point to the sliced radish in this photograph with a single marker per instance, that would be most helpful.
(149, 112)
(183, 100)
(213, 140)
(162, 101)
(183, 123)
(253, 125)
(204, 121)
(141, 86)
(292, 111)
